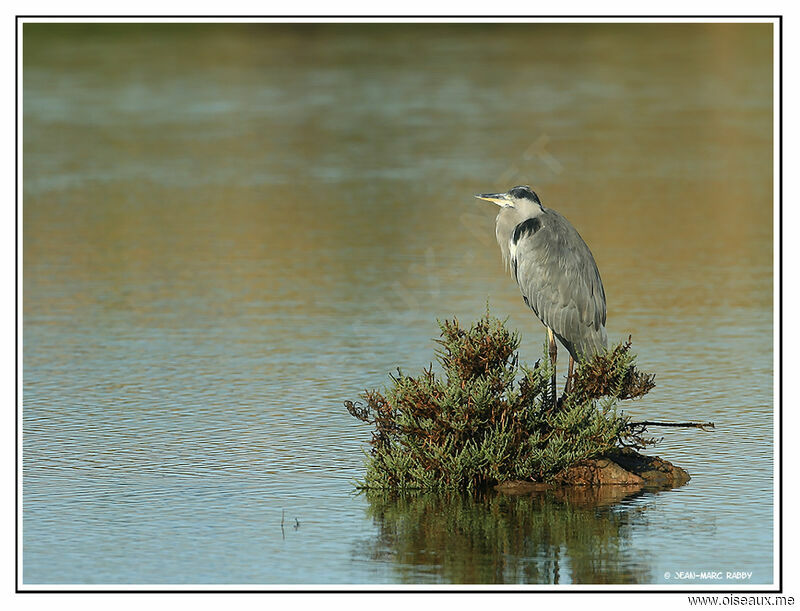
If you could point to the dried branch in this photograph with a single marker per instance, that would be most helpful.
(697, 425)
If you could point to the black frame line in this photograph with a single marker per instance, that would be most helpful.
(391, 590)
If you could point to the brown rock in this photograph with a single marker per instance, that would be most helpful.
(597, 472)
(626, 468)
(653, 470)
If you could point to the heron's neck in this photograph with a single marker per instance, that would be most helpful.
(507, 219)
(528, 209)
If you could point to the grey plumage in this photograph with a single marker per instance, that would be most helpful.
(554, 268)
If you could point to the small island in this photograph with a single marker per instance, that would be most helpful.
(491, 422)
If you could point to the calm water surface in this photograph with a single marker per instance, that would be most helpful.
(228, 231)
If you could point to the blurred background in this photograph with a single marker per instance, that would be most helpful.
(228, 230)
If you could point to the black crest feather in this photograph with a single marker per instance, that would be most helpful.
(524, 192)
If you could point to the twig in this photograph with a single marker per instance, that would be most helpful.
(696, 425)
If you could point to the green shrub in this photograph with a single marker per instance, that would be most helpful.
(491, 419)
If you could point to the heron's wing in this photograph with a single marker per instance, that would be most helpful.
(560, 281)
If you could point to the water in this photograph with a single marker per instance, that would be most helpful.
(230, 230)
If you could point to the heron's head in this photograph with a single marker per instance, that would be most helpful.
(521, 197)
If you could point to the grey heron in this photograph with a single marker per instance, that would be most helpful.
(555, 271)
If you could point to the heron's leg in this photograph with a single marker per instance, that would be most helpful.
(568, 387)
(551, 339)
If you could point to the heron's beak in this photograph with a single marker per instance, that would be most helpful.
(501, 199)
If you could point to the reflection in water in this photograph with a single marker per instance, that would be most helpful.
(575, 535)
